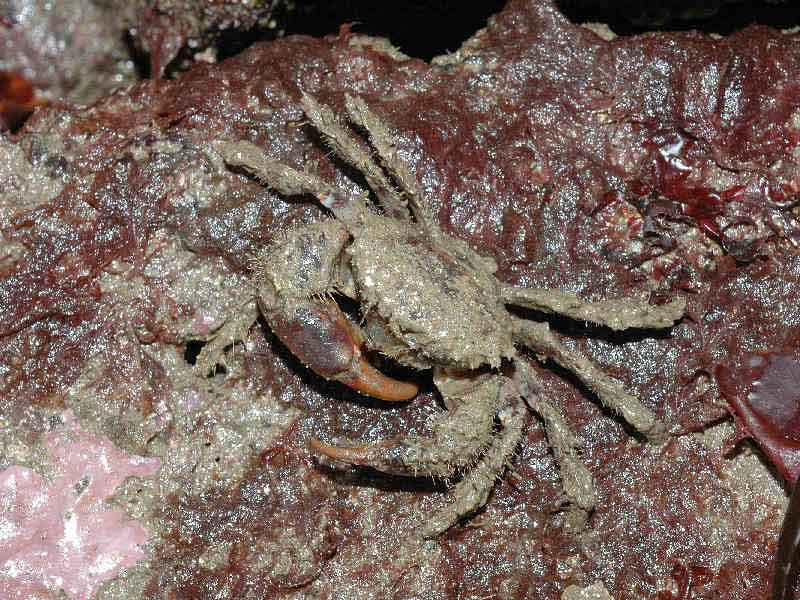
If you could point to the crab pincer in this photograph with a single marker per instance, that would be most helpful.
(385, 456)
(324, 339)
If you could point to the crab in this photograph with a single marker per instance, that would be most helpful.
(428, 301)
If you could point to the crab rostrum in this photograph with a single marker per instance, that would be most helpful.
(428, 301)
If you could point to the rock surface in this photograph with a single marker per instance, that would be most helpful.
(643, 166)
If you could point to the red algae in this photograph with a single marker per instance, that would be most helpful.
(671, 178)
(763, 393)
(687, 579)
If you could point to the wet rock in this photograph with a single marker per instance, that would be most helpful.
(649, 166)
(72, 50)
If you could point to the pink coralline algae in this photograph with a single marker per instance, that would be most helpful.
(58, 533)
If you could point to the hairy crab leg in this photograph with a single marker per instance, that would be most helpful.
(459, 436)
(462, 439)
(472, 492)
(232, 331)
(302, 265)
(576, 479)
(290, 182)
(382, 140)
(617, 314)
(539, 338)
(352, 150)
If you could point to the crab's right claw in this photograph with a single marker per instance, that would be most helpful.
(325, 340)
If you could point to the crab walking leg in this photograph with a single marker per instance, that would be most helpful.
(576, 478)
(460, 435)
(539, 338)
(232, 331)
(472, 492)
(381, 138)
(616, 314)
(351, 149)
(290, 182)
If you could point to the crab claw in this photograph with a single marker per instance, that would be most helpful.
(324, 339)
(384, 456)
(355, 455)
(365, 378)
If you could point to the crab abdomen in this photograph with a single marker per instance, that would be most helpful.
(434, 301)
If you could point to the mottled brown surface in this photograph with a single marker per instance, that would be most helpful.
(71, 50)
(78, 51)
(125, 238)
(165, 28)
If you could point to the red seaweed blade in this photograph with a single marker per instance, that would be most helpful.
(765, 398)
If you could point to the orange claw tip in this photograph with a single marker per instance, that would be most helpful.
(356, 455)
(368, 380)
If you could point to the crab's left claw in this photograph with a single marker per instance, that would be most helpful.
(365, 378)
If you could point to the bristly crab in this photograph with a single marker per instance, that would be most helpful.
(430, 302)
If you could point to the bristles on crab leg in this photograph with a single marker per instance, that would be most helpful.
(459, 436)
(472, 492)
(617, 314)
(539, 338)
(576, 478)
(290, 182)
(347, 146)
(383, 140)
